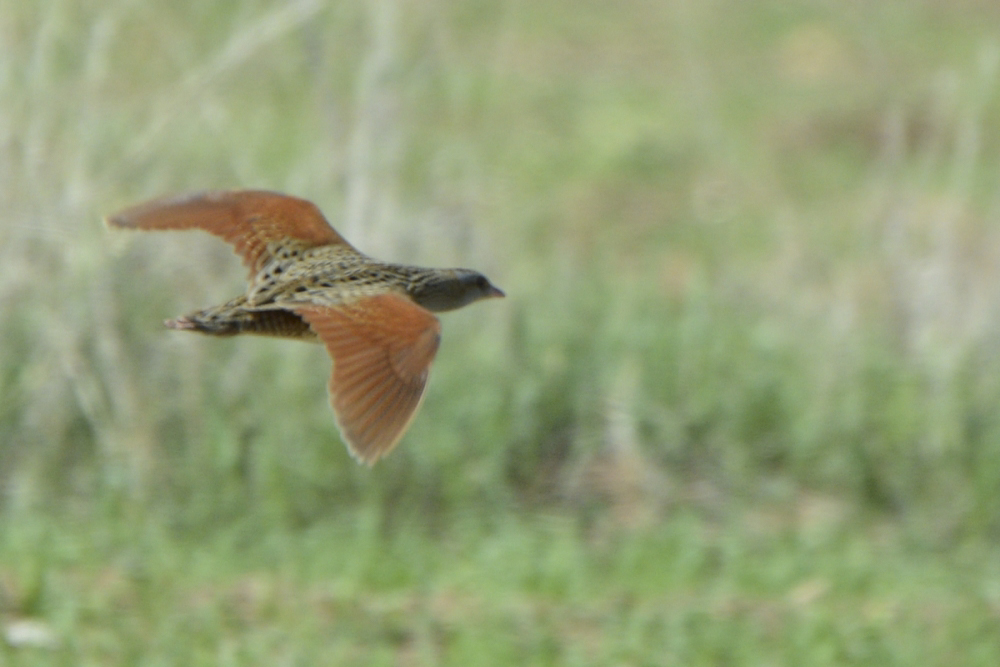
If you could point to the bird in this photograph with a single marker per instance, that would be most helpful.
(307, 282)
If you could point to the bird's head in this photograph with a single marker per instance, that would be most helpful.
(447, 289)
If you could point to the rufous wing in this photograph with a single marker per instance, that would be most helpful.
(248, 219)
(382, 348)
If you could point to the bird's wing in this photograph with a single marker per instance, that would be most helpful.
(250, 220)
(382, 348)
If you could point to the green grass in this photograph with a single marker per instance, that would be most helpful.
(740, 406)
(537, 590)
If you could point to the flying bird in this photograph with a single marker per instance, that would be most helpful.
(306, 282)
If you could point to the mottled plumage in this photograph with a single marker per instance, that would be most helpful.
(307, 282)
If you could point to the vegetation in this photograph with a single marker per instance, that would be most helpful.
(739, 407)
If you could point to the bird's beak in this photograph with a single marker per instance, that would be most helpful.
(495, 293)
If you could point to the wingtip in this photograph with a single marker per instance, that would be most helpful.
(365, 453)
(361, 460)
(360, 456)
(123, 218)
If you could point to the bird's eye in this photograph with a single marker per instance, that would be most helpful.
(481, 282)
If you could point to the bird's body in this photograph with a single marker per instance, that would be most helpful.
(306, 282)
(329, 275)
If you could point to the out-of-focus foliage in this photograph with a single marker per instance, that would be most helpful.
(747, 364)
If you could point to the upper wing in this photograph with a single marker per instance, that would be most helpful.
(248, 219)
(382, 348)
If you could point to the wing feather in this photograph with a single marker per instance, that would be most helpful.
(382, 349)
(250, 220)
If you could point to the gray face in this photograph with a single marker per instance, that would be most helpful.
(451, 289)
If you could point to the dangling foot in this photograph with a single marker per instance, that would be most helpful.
(180, 323)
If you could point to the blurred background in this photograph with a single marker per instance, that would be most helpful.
(741, 405)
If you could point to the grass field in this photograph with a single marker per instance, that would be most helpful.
(740, 406)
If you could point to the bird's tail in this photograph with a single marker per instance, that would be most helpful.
(234, 318)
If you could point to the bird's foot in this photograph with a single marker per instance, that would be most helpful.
(181, 323)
